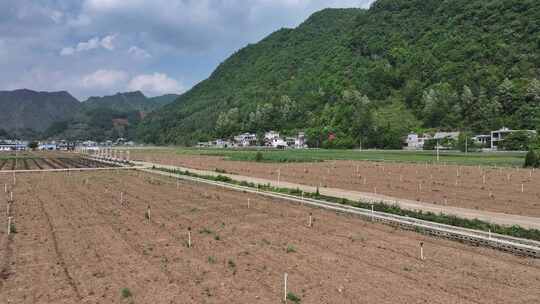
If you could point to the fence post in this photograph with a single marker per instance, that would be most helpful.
(9, 225)
(189, 237)
(285, 287)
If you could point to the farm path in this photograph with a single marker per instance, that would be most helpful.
(488, 216)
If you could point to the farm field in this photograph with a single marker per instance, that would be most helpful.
(508, 159)
(79, 240)
(496, 189)
(45, 160)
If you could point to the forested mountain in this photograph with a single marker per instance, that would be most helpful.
(371, 76)
(129, 101)
(26, 112)
(108, 117)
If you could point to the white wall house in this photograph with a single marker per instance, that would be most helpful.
(498, 136)
(271, 135)
(482, 139)
(279, 143)
(446, 135)
(246, 139)
(416, 142)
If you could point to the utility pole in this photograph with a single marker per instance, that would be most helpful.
(438, 150)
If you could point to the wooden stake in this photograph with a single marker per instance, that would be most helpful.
(7, 209)
(422, 251)
(121, 198)
(189, 237)
(310, 221)
(372, 213)
(248, 202)
(522, 188)
(285, 287)
(9, 225)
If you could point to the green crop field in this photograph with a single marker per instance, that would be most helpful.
(514, 159)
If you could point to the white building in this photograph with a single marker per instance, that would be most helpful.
(279, 143)
(271, 135)
(483, 140)
(246, 139)
(498, 136)
(300, 141)
(416, 142)
(446, 135)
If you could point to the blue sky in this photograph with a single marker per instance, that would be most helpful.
(99, 47)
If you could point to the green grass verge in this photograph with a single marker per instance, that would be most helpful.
(513, 159)
(476, 224)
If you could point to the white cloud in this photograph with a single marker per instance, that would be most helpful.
(106, 42)
(104, 79)
(67, 51)
(138, 52)
(155, 84)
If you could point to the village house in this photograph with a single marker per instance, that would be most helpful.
(446, 135)
(300, 141)
(271, 135)
(47, 146)
(482, 140)
(245, 140)
(498, 136)
(416, 142)
(13, 145)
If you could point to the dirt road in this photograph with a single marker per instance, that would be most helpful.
(493, 217)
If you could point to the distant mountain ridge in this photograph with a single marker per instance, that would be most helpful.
(28, 113)
(27, 109)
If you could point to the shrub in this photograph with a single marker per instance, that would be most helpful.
(211, 260)
(126, 293)
(224, 179)
(13, 228)
(259, 157)
(293, 298)
(290, 248)
(205, 231)
(531, 160)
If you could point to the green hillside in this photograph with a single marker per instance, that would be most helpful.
(371, 76)
(108, 117)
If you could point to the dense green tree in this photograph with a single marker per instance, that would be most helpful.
(33, 145)
(531, 159)
(518, 141)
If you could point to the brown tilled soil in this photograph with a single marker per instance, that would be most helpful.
(46, 160)
(460, 186)
(78, 243)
